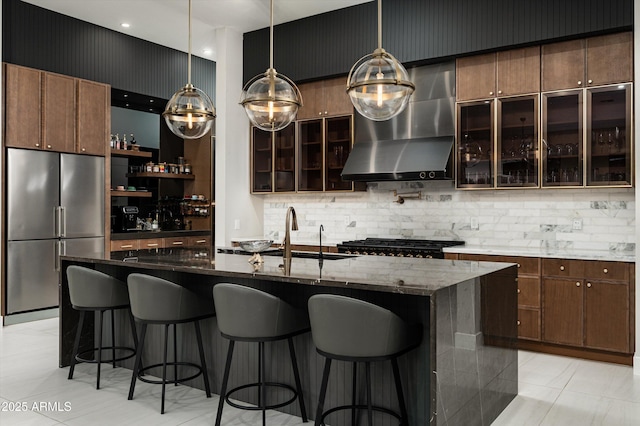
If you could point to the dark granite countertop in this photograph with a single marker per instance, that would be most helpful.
(395, 275)
(141, 235)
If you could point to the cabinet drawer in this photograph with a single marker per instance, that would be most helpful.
(526, 265)
(204, 241)
(529, 324)
(529, 292)
(152, 243)
(563, 268)
(618, 271)
(175, 242)
(124, 245)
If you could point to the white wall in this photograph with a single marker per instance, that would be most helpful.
(234, 204)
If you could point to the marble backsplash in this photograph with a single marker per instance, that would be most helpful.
(508, 218)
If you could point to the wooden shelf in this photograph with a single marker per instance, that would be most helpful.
(162, 175)
(138, 194)
(129, 153)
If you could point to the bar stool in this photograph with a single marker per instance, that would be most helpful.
(158, 301)
(348, 329)
(248, 315)
(93, 291)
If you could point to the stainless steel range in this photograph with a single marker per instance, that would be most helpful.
(397, 247)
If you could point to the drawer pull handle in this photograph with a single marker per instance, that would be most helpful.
(589, 285)
(177, 243)
(37, 145)
(518, 291)
(562, 267)
(152, 245)
(126, 246)
(605, 270)
(578, 284)
(518, 322)
(201, 241)
(518, 265)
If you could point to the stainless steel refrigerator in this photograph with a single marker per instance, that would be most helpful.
(55, 205)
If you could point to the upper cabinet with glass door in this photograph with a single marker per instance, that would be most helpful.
(609, 136)
(273, 160)
(474, 164)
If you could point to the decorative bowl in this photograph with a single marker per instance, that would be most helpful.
(255, 247)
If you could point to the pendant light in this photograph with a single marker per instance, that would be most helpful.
(190, 112)
(271, 100)
(378, 84)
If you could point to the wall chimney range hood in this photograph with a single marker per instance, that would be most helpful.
(415, 145)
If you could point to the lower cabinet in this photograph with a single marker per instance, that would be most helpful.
(167, 242)
(581, 305)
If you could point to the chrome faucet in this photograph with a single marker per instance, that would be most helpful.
(291, 213)
(320, 249)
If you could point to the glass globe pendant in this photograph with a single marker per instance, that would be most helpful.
(378, 84)
(189, 113)
(271, 100)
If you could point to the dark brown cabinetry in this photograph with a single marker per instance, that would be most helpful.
(474, 162)
(273, 160)
(590, 62)
(55, 112)
(324, 98)
(587, 304)
(506, 73)
(161, 242)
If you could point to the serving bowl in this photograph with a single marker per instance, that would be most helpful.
(255, 247)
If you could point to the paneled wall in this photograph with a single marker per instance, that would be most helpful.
(42, 39)
(425, 30)
(507, 218)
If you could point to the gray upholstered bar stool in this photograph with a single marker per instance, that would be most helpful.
(158, 301)
(246, 314)
(95, 292)
(348, 329)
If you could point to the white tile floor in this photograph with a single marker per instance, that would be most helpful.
(553, 391)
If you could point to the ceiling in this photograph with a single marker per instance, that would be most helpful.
(165, 22)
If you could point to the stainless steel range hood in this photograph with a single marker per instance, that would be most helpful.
(415, 145)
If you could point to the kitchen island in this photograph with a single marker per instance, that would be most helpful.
(464, 372)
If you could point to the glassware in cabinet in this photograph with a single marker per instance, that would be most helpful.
(517, 142)
(337, 149)
(474, 165)
(562, 139)
(609, 154)
(310, 155)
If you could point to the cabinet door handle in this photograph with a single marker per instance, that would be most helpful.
(490, 93)
(37, 145)
(152, 244)
(518, 322)
(579, 82)
(83, 149)
(518, 265)
(177, 243)
(562, 267)
(126, 246)
(499, 92)
(589, 285)
(605, 270)
(578, 284)
(589, 81)
(518, 291)
(201, 241)
(48, 146)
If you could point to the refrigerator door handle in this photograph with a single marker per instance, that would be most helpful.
(58, 213)
(63, 222)
(61, 249)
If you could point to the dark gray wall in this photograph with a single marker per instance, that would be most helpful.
(38, 38)
(422, 31)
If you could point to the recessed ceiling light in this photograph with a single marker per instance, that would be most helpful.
(125, 25)
(207, 51)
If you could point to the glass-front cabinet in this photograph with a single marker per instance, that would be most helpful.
(609, 145)
(310, 155)
(562, 139)
(273, 152)
(517, 142)
(474, 165)
(337, 149)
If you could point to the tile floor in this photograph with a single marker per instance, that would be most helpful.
(553, 391)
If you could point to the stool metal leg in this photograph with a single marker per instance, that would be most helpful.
(296, 375)
(203, 363)
(138, 365)
(262, 394)
(113, 338)
(225, 380)
(76, 345)
(354, 392)
(367, 366)
(164, 365)
(323, 391)
(403, 406)
(175, 355)
(99, 347)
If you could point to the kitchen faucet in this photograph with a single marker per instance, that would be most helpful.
(291, 213)
(320, 250)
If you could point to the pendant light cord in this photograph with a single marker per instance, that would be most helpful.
(379, 24)
(271, 37)
(189, 54)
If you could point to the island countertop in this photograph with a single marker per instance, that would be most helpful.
(389, 274)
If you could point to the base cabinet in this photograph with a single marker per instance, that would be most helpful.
(563, 311)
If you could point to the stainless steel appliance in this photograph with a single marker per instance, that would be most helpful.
(55, 205)
(126, 218)
(397, 247)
